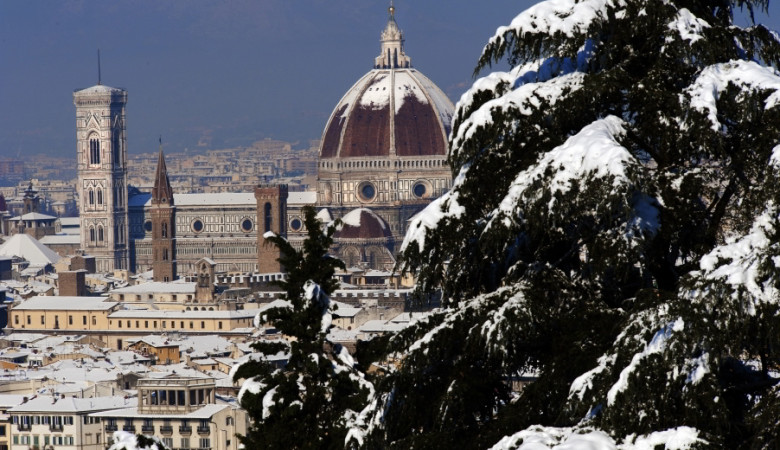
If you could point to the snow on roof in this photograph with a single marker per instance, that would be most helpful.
(34, 216)
(344, 309)
(72, 404)
(336, 334)
(210, 199)
(204, 412)
(10, 400)
(324, 215)
(302, 198)
(170, 314)
(61, 239)
(381, 326)
(25, 246)
(65, 303)
(70, 221)
(158, 287)
(100, 89)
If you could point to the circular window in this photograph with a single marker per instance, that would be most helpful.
(296, 224)
(247, 225)
(421, 189)
(148, 226)
(366, 191)
(197, 225)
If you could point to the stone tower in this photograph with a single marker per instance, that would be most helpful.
(31, 200)
(102, 175)
(163, 215)
(271, 216)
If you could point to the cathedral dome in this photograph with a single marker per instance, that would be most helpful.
(389, 112)
(362, 223)
(392, 111)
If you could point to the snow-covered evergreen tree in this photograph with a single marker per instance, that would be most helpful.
(309, 402)
(122, 440)
(613, 229)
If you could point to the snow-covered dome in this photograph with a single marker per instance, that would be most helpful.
(393, 110)
(362, 223)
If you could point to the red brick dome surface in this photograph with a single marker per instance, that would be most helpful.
(388, 109)
(362, 223)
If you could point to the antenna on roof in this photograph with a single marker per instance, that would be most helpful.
(99, 66)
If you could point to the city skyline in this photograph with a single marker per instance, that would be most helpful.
(216, 74)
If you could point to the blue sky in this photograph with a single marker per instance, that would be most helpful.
(220, 72)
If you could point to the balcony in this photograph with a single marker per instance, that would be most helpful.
(55, 427)
(129, 428)
(185, 429)
(111, 427)
(23, 426)
(204, 430)
(147, 428)
(166, 429)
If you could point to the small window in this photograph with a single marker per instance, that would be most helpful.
(83, 320)
(268, 217)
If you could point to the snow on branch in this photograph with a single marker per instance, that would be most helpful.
(749, 76)
(587, 438)
(737, 263)
(566, 17)
(687, 26)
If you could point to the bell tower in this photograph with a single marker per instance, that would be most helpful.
(271, 217)
(163, 214)
(102, 175)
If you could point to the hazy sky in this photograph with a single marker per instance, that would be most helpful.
(220, 72)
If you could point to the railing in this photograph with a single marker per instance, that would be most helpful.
(24, 426)
(129, 428)
(166, 429)
(185, 429)
(204, 430)
(147, 428)
(55, 427)
(111, 427)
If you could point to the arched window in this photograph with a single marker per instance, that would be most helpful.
(94, 150)
(164, 230)
(99, 196)
(100, 234)
(165, 254)
(91, 195)
(115, 146)
(268, 217)
(91, 234)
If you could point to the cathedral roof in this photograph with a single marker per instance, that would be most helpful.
(362, 223)
(393, 110)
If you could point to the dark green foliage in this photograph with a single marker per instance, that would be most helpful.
(310, 400)
(617, 289)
